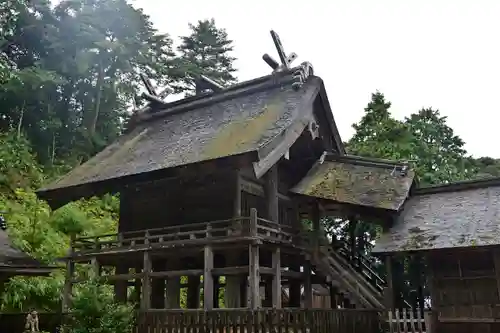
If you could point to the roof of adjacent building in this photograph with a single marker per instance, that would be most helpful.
(15, 262)
(261, 118)
(359, 181)
(457, 215)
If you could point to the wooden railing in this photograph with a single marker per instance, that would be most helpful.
(185, 234)
(259, 321)
(407, 320)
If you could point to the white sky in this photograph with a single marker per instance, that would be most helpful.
(439, 53)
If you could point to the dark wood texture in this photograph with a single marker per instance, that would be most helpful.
(262, 320)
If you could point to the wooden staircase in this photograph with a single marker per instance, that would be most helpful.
(354, 275)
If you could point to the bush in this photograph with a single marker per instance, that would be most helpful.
(95, 311)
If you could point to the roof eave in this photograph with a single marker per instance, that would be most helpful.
(331, 120)
(58, 197)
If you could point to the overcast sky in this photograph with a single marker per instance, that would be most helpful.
(422, 53)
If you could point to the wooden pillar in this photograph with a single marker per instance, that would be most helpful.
(158, 286)
(70, 273)
(120, 286)
(352, 236)
(96, 267)
(68, 285)
(389, 290)
(308, 291)
(253, 262)
(315, 217)
(193, 292)
(276, 283)
(146, 282)
(138, 287)
(173, 293)
(208, 282)
(271, 193)
(294, 295)
(333, 297)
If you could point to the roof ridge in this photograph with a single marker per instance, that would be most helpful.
(295, 76)
(463, 185)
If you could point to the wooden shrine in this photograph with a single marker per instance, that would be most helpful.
(214, 191)
(453, 231)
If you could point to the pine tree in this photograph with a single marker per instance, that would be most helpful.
(206, 51)
(379, 135)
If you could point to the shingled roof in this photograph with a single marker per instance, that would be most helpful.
(451, 216)
(261, 118)
(16, 262)
(359, 181)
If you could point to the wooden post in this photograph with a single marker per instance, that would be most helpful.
(389, 290)
(208, 282)
(146, 282)
(158, 286)
(333, 297)
(254, 278)
(68, 283)
(253, 262)
(276, 286)
(315, 217)
(137, 287)
(308, 292)
(237, 195)
(271, 193)
(352, 236)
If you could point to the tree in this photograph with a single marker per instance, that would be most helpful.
(378, 135)
(75, 70)
(439, 154)
(205, 51)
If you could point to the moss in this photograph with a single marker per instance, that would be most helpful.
(91, 168)
(361, 185)
(241, 135)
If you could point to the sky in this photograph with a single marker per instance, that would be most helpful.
(443, 54)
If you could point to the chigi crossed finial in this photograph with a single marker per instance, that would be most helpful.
(286, 61)
(303, 71)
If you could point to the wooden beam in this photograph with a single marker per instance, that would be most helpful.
(276, 285)
(208, 282)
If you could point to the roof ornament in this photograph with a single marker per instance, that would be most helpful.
(286, 61)
(204, 83)
(152, 96)
(301, 73)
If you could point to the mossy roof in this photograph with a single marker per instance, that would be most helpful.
(251, 118)
(358, 181)
(457, 215)
(15, 262)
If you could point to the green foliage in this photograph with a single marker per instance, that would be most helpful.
(18, 168)
(206, 51)
(95, 311)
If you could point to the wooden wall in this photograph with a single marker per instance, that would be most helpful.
(465, 285)
(177, 201)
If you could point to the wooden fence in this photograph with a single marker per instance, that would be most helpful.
(407, 320)
(260, 321)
